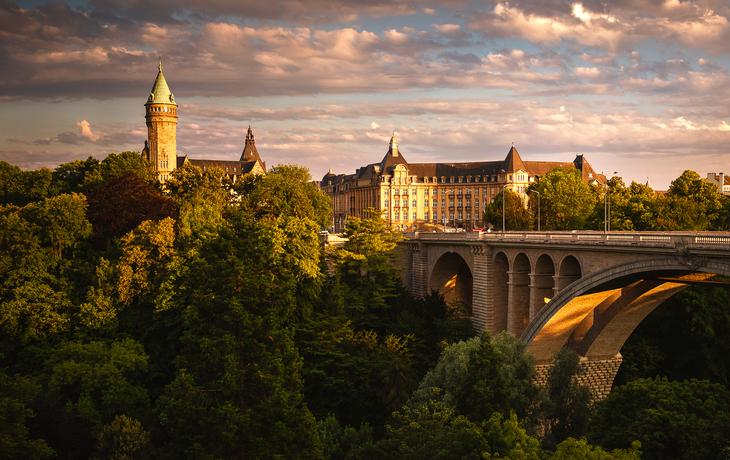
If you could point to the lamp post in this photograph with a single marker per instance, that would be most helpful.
(446, 221)
(538, 208)
(607, 205)
(504, 199)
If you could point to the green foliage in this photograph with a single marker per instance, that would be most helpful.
(447, 376)
(15, 440)
(483, 391)
(568, 407)
(688, 419)
(98, 381)
(435, 432)
(124, 439)
(683, 338)
(573, 449)
(516, 215)
(19, 187)
(238, 389)
(520, 376)
(76, 176)
(365, 264)
(565, 201)
(286, 190)
(340, 443)
(115, 165)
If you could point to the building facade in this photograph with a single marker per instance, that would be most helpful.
(161, 145)
(722, 181)
(427, 196)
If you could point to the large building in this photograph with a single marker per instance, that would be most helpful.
(161, 145)
(722, 181)
(416, 196)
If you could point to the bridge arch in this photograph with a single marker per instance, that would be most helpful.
(542, 282)
(501, 291)
(596, 314)
(452, 276)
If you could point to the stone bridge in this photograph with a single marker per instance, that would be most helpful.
(584, 290)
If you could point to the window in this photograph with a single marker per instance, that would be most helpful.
(435, 192)
(510, 177)
(443, 203)
(443, 215)
(460, 205)
(415, 215)
(425, 215)
(397, 216)
(386, 203)
(476, 215)
(451, 216)
(415, 203)
(405, 191)
(476, 202)
(396, 203)
(460, 216)
(443, 191)
(461, 178)
(452, 179)
(425, 180)
(425, 203)
(451, 203)
(385, 214)
(468, 215)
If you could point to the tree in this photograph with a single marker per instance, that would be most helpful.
(123, 439)
(574, 449)
(286, 190)
(123, 203)
(483, 391)
(516, 214)
(115, 165)
(691, 204)
(15, 441)
(520, 376)
(432, 431)
(672, 420)
(566, 202)
(365, 266)
(238, 388)
(568, 407)
(76, 176)
(22, 187)
(683, 338)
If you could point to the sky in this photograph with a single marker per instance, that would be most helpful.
(639, 87)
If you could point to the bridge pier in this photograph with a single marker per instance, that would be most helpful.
(597, 374)
(483, 289)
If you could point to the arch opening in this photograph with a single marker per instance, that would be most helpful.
(543, 284)
(501, 292)
(453, 279)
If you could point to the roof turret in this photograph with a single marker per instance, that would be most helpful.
(249, 150)
(160, 93)
(513, 162)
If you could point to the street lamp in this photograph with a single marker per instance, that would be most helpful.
(504, 198)
(538, 208)
(607, 205)
(446, 221)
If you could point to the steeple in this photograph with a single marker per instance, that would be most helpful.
(249, 150)
(513, 162)
(394, 145)
(161, 93)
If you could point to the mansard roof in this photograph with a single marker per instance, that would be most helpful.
(161, 93)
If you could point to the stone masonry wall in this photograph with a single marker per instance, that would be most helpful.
(598, 375)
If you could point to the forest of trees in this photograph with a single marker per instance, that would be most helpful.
(567, 203)
(204, 320)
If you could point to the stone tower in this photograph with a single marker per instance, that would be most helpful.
(161, 118)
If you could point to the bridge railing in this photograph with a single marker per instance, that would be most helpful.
(586, 237)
